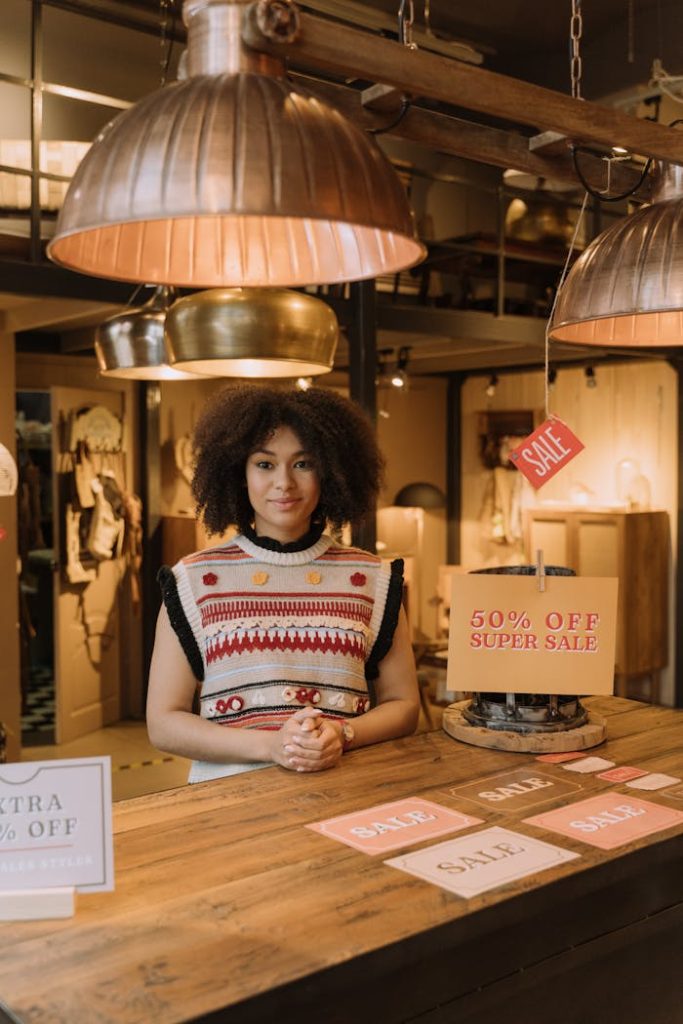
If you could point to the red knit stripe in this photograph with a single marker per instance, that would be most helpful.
(222, 611)
(349, 645)
(284, 594)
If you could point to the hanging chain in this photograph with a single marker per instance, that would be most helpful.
(428, 17)
(575, 30)
(405, 24)
(164, 8)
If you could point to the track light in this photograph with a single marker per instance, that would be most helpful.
(399, 378)
(490, 388)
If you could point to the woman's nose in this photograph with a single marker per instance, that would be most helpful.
(284, 478)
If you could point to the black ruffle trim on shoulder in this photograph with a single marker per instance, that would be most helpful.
(178, 619)
(387, 628)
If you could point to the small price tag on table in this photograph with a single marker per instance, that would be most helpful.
(55, 825)
(545, 452)
(507, 636)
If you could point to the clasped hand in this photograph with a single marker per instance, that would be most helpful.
(307, 742)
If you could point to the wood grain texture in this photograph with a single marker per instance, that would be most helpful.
(227, 908)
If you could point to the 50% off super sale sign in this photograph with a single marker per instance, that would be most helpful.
(507, 636)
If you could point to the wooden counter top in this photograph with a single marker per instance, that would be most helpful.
(227, 908)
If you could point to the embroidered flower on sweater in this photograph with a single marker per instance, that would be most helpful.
(259, 578)
(314, 578)
(359, 579)
(306, 696)
(209, 579)
(233, 703)
(361, 705)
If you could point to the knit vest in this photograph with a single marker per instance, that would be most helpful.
(269, 631)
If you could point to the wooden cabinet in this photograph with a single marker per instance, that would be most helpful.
(634, 547)
(181, 535)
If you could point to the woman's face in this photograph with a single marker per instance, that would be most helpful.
(283, 487)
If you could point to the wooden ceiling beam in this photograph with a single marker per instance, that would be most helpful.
(353, 53)
(476, 142)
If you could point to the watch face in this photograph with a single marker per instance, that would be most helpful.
(348, 733)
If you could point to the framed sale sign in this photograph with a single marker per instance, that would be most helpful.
(507, 636)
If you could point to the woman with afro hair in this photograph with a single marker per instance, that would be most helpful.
(297, 644)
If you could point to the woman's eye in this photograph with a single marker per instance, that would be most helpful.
(304, 464)
(263, 464)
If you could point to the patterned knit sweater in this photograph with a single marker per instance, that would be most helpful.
(270, 631)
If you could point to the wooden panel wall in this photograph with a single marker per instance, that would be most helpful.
(632, 412)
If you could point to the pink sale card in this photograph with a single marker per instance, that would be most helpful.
(391, 826)
(609, 820)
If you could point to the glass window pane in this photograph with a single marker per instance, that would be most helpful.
(15, 123)
(70, 120)
(112, 60)
(15, 38)
(15, 147)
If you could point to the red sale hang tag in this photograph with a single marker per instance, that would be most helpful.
(545, 452)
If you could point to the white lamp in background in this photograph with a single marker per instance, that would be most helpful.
(8, 473)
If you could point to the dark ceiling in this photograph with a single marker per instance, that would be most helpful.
(529, 39)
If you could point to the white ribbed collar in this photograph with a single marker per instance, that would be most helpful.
(283, 557)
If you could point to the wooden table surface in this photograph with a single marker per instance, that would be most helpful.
(227, 908)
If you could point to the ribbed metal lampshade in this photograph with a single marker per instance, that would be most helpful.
(252, 332)
(131, 344)
(234, 177)
(626, 289)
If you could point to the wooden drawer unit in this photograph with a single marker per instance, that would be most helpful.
(634, 547)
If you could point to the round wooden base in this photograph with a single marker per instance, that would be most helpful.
(584, 736)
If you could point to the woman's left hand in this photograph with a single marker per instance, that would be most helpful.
(317, 745)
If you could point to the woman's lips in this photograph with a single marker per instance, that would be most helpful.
(285, 503)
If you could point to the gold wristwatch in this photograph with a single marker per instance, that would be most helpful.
(348, 734)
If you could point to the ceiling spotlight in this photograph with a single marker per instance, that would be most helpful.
(591, 379)
(399, 378)
(304, 383)
(490, 388)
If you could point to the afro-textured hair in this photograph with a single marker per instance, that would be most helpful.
(335, 431)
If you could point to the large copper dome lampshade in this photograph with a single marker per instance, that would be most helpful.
(626, 289)
(252, 332)
(131, 344)
(234, 176)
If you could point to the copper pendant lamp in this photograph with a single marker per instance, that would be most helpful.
(626, 289)
(234, 176)
(252, 332)
(131, 344)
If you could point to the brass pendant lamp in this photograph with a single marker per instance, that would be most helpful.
(252, 332)
(131, 344)
(626, 289)
(234, 176)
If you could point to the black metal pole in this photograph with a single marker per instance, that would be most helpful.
(362, 333)
(150, 476)
(454, 466)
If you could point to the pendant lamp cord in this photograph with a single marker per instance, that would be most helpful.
(602, 195)
(575, 72)
(565, 270)
(406, 18)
